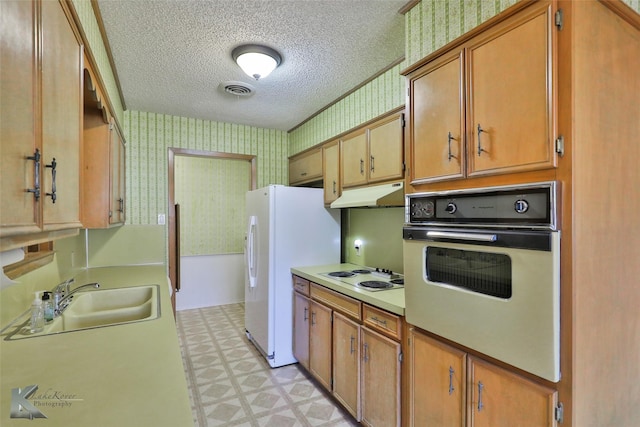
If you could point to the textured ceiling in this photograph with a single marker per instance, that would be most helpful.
(171, 56)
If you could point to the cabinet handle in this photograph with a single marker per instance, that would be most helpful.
(361, 167)
(379, 321)
(303, 174)
(351, 349)
(53, 166)
(480, 149)
(306, 315)
(449, 139)
(313, 318)
(480, 388)
(121, 201)
(366, 352)
(36, 185)
(334, 187)
(372, 167)
(451, 387)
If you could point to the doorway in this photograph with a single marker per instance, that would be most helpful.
(206, 225)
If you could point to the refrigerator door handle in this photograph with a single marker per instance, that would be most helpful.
(251, 248)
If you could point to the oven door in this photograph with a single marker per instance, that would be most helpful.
(494, 291)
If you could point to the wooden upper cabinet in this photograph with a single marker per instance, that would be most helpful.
(373, 153)
(62, 59)
(118, 172)
(437, 129)
(499, 398)
(511, 95)
(487, 106)
(331, 174)
(41, 110)
(19, 212)
(354, 159)
(103, 171)
(305, 167)
(386, 150)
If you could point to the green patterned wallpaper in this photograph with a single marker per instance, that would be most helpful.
(211, 193)
(149, 136)
(377, 97)
(434, 23)
(428, 26)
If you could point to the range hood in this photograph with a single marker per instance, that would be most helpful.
(373, 196)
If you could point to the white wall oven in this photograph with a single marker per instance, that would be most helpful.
(482, 268)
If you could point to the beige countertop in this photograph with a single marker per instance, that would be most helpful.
(123, 375)
(391, 299)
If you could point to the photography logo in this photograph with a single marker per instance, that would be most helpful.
(21, 407)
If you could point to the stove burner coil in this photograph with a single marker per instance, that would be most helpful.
(375, 284)
(397, 281)
(341, 274)
(361, 271)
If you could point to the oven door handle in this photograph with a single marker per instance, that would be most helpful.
(462, 236)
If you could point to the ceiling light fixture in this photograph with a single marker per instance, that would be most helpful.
(255, 60)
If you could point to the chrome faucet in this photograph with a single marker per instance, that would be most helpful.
(62, 303)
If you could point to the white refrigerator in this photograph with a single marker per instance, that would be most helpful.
(286, 227)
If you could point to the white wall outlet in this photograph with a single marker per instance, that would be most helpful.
(357, 244)
(161, 219)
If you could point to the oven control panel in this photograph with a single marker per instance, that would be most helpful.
(534, 205)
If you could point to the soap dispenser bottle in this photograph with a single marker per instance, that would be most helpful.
(37, 315)
(47, 307)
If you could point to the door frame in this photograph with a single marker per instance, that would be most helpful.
(172, 241)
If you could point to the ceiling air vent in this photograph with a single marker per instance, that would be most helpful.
(239, 89)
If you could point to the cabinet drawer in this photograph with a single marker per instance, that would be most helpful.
(382, 321)
(301, 285)
(342, 303)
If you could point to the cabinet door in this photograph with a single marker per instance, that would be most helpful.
(502, 399)
(354, 159)
(18, 79)
(305, 167)
(320, 344)
(301, 329)
(331, 165)
(380, 380)
(386, 150)
(116, 207)
(346, 363)
(436, 125)
(436, 384)
(61, 119)
(510, 94)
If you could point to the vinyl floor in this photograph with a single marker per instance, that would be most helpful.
(230, 383)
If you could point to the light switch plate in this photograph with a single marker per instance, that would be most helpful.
(161, 219)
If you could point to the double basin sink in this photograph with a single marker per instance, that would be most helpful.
(100, 308)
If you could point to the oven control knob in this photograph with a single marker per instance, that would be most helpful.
(521, 206)
(451, 208)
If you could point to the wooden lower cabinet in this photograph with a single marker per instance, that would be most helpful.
(499, 398)
(346, 363)
(346, 354)
(320, 343)
(448, 387)
(301, 329)
(437, 382)
(380, 380)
